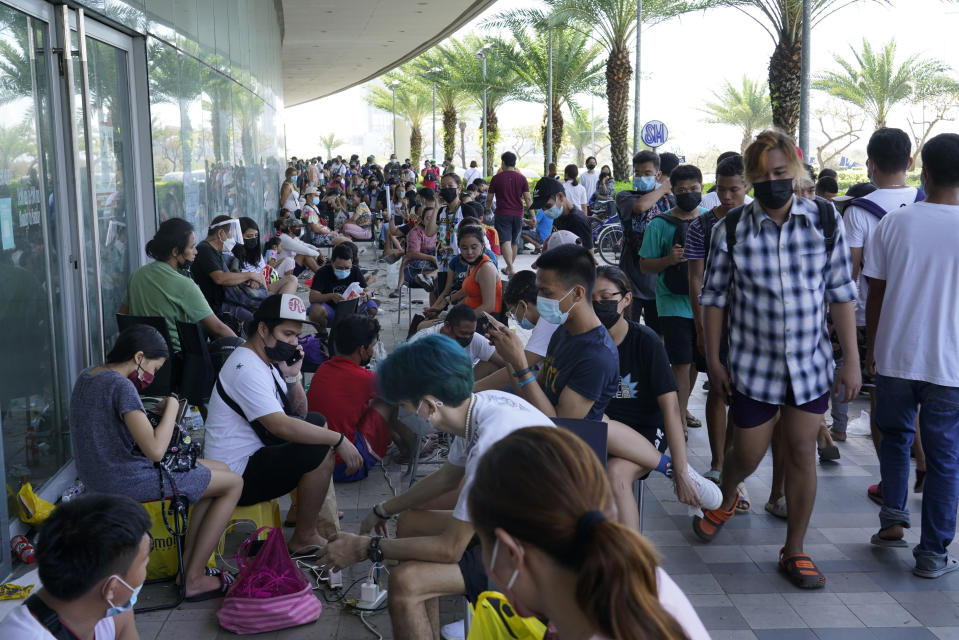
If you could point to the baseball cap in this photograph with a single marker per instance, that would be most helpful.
(857, 190)
(281, 306)
(545, 189)
(558, 239)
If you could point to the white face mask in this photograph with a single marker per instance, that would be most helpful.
(116, 610)
(492, 564)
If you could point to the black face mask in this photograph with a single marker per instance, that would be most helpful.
(773, 194)
(448, 194)
(251, 243)
(280, 352)
(689, 201)
(607, 312)
(464, 342)
(590, 167)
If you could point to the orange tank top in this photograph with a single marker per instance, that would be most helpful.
(474, 295)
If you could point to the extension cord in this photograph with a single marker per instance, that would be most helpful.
(371, 596)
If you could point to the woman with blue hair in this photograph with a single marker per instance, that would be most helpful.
(433, 378)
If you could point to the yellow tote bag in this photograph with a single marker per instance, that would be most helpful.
(495, 619)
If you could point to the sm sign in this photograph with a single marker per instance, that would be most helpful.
(655, 133)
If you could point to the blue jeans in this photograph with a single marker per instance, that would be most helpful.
(897, 403)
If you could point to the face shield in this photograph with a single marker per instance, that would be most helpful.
(234, 235)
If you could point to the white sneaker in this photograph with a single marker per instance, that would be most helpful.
(454, 631)
(709, 492)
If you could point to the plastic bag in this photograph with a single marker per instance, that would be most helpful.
(495, 619)
(33, 509)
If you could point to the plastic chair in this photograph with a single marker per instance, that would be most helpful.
(409, 286)
(167, 377)
(198, 376)
(261, 514)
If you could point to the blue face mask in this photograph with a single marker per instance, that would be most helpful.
(644, 183)
(115, 610)
(316, 200)
(341, 273)
(524, 323)
(549, 309)
(553, 212)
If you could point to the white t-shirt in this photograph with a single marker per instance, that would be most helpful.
(589, 181)
(21, 624)
(496, 414)
(291, 247)
(859, 227)
(470, 175)
(250, 383)
(539, 337)
(576, 195)
(711, 200)
(914, 249)
(479, 349)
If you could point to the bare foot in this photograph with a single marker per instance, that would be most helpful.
(895, 532)
(295, 544)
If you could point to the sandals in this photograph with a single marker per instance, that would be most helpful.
(742, 499)
(828, 453)
(226, 579)
(875, 493)
(692, 421)
(778, 508)
(801, 570)
(889, 543)
(712, 475)
(708, 525)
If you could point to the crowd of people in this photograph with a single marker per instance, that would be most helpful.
(792, 301)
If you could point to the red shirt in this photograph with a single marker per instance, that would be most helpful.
(341, 390)
(508, 187)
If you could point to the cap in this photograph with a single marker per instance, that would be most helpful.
(282, 306)
(558, 239)
(310, 191)
(545, 189)
(370, 158)
(857, 190)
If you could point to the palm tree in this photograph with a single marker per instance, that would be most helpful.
(451, 102)
(875, 84)
(331, 142)
(576, 68)
(613, 24)
(581, 133)
(747, 108)
(413, 103)
(782, 20)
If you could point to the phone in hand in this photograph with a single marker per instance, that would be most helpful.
(483, 326)
(296, 357)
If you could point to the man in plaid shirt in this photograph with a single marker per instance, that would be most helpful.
(777, 285)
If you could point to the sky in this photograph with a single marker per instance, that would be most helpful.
(684, 61)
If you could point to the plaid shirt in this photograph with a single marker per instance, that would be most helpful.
(777, 295)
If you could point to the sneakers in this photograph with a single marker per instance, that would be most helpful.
(423, 281)
(709, 492)
(454, 631)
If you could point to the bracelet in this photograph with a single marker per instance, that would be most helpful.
(293, 379)
(378, 514)
(340, 441)
(520, 374)
(526, 381)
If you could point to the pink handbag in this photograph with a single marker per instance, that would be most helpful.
(270, 593)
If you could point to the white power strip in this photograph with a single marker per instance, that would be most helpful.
(371, 596)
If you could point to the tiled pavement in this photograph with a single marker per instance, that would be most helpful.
(733, 582)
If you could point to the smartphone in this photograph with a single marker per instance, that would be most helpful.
(295, 358)
(483, 326)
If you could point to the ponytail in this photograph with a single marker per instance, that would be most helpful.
(572, 172)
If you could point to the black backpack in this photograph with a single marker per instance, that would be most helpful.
(827, 222)
(644, 284)
(676, 277)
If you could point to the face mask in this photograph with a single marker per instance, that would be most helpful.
(114, 610)
(464, 342)
(280, 352)
(607, 311)
(315, 200)
(341, 273)
(553, 212)
(448, 194)
(689, 201)
(591, 166)
(429, 418)
(141, 378)
(774, 194)
(526, 324)
(549, 309)
(644, 183)
(251, 243)
(228, 244)
(492, 563)
(604, 174)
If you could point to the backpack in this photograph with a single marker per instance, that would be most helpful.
(708, 220)
(874, 208)
(676, 277)
(644, 284)
(827, 222)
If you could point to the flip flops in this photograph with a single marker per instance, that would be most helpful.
(889, 543)
(742, 499)
(801, 570)
(226, 579)
(778, 508)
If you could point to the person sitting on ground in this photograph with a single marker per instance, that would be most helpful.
(304, 255)
(482, 285)
(115, 447)
(251, 260)
(359, 226)
(92, 555)
(259, 426)
(520, 300)
(433, 378)
(160, 288)
(344, 391)
(211, 273)
(460, 325)
(331, 282)
(315, 232)
(554, 550)
(536, 230)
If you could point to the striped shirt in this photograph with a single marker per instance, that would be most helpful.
(695, 247)
(777, 295)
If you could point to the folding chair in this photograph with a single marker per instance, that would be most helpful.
(198, 371)
(592, 432)
(167, 377)
(341, 312)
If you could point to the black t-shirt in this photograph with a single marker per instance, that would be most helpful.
(577, 222)
(586, 363)
(325, 280)
(644, 375)
(206, 262)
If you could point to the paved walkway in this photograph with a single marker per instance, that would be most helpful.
(733, 582)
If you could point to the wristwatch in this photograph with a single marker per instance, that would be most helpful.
(293, 379)
(373, 553)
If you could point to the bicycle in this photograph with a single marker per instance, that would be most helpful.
(608, 238)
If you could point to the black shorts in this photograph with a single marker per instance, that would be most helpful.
(647, 309)
(474, 573)
(509, 228)
(679, 336)
(275, 470)
(440, 281)
(656, 436)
